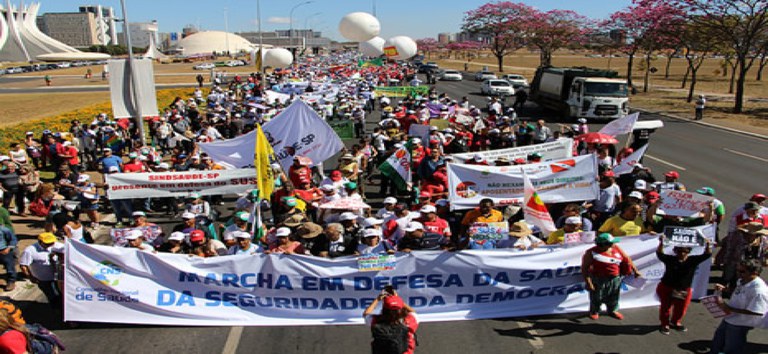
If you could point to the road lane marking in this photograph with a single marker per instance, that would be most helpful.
(665, 162)
(745, 155)
(531, 334)
(233, 340)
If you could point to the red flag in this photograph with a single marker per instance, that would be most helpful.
(536, 212)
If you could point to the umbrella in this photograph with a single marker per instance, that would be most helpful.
(597, 138)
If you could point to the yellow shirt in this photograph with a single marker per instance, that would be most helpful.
(474, 216)
(617, 226)
(558, 237)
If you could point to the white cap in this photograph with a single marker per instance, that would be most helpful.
(138, 213)
(372, 233)
(390, 200)
(176, 236)
(163, 165)
(134, 234)
(573, 220)
(432, 128)
(327, 187)
(283, 232)
(416, 141)
(413, 226)
(640, 184)
(83, 178)
(428, 209)
(187, 215)
(368, 222)
(636, 194)
(346, 216)
(66, 143)
(243, 234)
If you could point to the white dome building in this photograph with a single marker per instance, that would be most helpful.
(213, 41)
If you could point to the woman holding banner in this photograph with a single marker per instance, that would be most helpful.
(674, 290)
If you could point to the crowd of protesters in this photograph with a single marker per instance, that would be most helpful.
(409, 220)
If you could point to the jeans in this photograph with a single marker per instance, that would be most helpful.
(9, 262)
(17, 195)
(729, 339)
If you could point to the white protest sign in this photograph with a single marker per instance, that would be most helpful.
(683, 236)
(680, 203)
(122, 285)
(555, 182)
(179, 184)
(620, 126)
(554, 150)
(628, 163)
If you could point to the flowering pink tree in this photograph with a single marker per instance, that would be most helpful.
(464, 48)
(555, 29)
(740, 24)
(427, 45)
(645, 25)
(504, 22)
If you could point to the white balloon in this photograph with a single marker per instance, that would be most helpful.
(373, 47)
(278, 58)
(359, 26)
(400, 48)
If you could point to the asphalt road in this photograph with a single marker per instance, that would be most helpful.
(735, 165)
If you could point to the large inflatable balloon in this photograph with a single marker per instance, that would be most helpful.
(278, 58)
(373, 47)
(400, 48)
(359, 26)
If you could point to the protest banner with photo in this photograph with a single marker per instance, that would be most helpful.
(555, 150)
(376, 262)
(488, 231)
(628, 163)
(122, 285)
(555, 182)
(179, 184)
(150, 234)
(680, 203)
(683, 236)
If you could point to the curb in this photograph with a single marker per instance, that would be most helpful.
(711, 125)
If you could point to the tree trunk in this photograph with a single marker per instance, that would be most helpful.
(630, 61)
(647, 71)
(693, 86)
(500, 60)
(669, 63)
(760, 67)
(733, 77)
(685, 77)
(738, 105)
(545, 58)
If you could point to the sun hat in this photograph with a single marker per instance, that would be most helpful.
(46, 237)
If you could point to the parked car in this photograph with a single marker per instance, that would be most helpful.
(451, 75)
(427, 67)
(232, 63)
(204, 66)
(64, 64)
(516, 80)
(14, 70)
(484, 75)
(496, 87)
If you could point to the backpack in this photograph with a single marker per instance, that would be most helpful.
(43, 341)
(389, 338)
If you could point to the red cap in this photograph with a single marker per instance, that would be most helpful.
(520, 161)
(425, 194)
(609, 173)
(336, 175)
(672, 174)
(433, 142)
(757, 198)
(197, 236)
(652, 196)
(393, 302)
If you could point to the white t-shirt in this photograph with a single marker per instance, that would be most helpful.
(38, 259)
(752, 296)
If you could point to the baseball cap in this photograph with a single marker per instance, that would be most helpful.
(605, 238)
(350, 185)
(652, 196)
(336, 175)
(138, 213)
(672, 174)
(242, 215)
(241, 234)
(368, 222)
(196, 236)
(413, 226)
(641, 184)
(327, 187)
(346, 216)
(636, 194)
(751, 206)
(706, 191)
(290, 201)
(573, 220)
(163, 165)
(393, 302)
(134, 234)
(133, 155)
(187, 215)
(759, 197)
(83, 178)
(372, 233)
(46, 237)
(390, 200)
(428, 209)
(425, 194)
(283, 232)
(176, 236)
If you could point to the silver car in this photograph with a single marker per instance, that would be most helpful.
(451, 75)
(497, 87)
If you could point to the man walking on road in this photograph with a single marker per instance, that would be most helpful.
(700, 103)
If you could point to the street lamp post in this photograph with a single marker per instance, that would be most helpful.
(134, 83)
(290, 32)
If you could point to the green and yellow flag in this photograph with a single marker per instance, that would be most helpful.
(265, 177)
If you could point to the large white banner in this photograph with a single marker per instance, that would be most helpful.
(179, 184)
(621, 126)
(628, 163)
(680, 203)
(297, 131)
(554, 150)
(121, 285)
(121, 88)
(559, 181)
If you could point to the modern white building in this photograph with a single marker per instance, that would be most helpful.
(141, 33)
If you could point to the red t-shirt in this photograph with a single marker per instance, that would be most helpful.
(412, 323)
(13, 342)
(135, 166)
(606, 264)
(438, 226)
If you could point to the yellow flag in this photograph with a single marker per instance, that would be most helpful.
(257, 61)
(265, 177)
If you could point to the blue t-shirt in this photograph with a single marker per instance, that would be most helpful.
(110, 161)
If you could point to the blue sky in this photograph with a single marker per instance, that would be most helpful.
(413, 18)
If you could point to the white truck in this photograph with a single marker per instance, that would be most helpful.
(581, 92)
